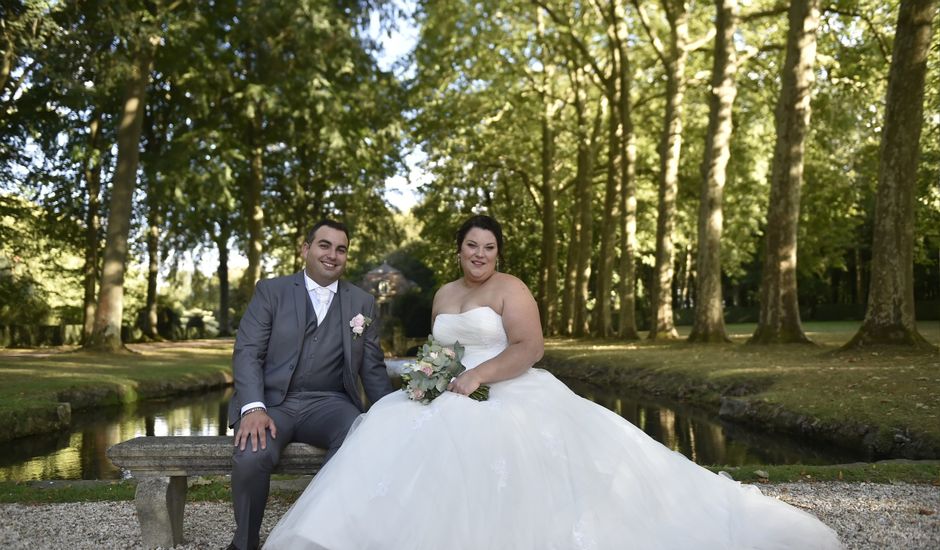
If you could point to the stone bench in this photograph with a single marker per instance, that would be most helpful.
(162, 464)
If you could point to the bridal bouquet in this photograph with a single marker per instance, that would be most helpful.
(436, 365)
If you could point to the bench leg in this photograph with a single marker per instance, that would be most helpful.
(160, 502)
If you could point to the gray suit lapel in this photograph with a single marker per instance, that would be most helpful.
(346, 310)
(300, 308)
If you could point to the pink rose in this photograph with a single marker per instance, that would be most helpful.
(418, 393)
(358, 324)
(449, 353)
(426, 368)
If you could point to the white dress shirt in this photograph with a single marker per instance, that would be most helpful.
(320, 307)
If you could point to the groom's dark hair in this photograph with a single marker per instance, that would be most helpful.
(482, 221)
(328, 223)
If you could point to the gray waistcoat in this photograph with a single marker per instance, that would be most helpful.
(321, 362)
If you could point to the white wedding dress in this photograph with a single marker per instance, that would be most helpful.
(536, 467)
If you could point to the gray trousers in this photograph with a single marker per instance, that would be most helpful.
(319, 418)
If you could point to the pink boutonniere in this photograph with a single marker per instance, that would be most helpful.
(358, 324)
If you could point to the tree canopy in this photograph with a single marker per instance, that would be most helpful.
(586, 128)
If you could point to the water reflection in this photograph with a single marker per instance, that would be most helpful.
(705, 439)
(81, 454)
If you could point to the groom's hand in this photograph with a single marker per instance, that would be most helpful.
(252, 426)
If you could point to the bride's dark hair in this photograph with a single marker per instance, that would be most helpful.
(483, 222)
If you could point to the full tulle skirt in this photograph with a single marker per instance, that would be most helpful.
(535, 467)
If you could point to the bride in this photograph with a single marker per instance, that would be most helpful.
(535, 467)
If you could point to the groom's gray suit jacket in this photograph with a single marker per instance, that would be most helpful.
(271, 335)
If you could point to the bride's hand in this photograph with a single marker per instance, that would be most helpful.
(465, 384)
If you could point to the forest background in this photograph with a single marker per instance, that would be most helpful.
(652, 163)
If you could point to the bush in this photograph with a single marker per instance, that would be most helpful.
(413, 310)
(21, 301)
(200, 323)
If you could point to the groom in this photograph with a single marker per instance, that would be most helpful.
(304, 345)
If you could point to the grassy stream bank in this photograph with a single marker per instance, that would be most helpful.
(40, 388)
(884, 403)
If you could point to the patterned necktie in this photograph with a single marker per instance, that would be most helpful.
(323, 297)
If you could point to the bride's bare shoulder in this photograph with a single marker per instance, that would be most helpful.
(446, 289)
(512, 291)
(443, 294)
(510, 282)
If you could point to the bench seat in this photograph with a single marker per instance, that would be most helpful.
(162, 465)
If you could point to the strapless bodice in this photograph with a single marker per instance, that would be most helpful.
(479, 330)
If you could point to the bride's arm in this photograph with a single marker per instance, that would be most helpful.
(525, 346)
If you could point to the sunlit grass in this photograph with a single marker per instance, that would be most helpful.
(34, 382)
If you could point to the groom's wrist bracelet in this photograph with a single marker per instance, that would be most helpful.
(255, 409)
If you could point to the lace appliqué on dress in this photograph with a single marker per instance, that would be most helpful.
(380, 490)
(421, 418)
(499, 467)
(553, 444)
(492, 403)
(582, 540)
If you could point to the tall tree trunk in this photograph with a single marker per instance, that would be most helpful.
(683, 295)
(225, 324)
(779, 320)
(858, 295)
(158, 193)
(154, 202)
(662, 325)
(92, 172)
(571, 270)
(253, 207)
(587, 153)
(612, 192)
(107, 332)
(627, 329)
(548, 280)
(154, 219)
(548, 268)
(605, 260)
(301, 203)
(709, 324)
(889, 318)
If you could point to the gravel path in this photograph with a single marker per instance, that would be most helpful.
(866, 516)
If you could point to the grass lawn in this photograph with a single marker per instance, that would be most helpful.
(34, 382)
(895, 390)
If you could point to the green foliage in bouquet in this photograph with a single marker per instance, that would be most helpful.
(436, 365)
